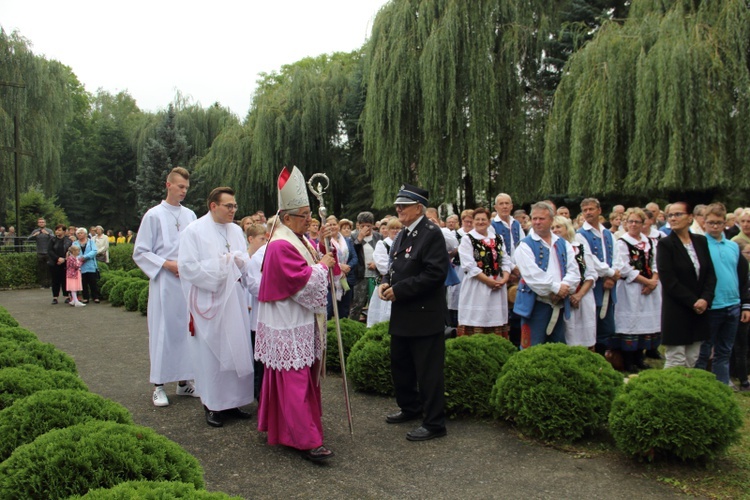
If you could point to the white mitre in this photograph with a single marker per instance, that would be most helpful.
(292, 190)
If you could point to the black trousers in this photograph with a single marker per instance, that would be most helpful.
(58, 280)
(42, 269)
(90, 286)
(417, 368)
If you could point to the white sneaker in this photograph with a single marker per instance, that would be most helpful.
(187, 390)
(79, 304)
(160, 397)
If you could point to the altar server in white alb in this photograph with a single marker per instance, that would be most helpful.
(213, 263)
(155, 253)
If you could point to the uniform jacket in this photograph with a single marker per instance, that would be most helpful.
(680, 325)
(419, 266)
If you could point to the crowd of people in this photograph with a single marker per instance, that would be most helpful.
(237, 309)
(67, 260)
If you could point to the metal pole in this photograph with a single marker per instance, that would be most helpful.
(16, 152)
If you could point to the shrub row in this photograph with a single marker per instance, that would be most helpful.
(17, 269)
(125, 288)
(58, 440)
(557, 392)
(351, 332)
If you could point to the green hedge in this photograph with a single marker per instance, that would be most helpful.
(30, 417)
(110, 279)
(677, 412)
(137, 273)
(130, 297)
(17, 270)
(16, 333)
(121, 257)
(155, 490)
(6, 318)
(95, 454)
(369, 364)
(351, 332)
(21, 381)
(143, 301)
(117, 292)
(556, 391)
(34, 352)
(472, 365)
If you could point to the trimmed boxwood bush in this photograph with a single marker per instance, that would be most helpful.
(102, 266)
(17, 269)
(121, 257)
(6, 318)
(351, 332)
(143, 301)
(472, 365)
(556, 392)
(153, 490)
(130, 297)
(117, 292)
(33, 352)
(106, 276)
(24, 380)
(677, 412)
(137, 273)
(32, 416)
(109, 280)
(16, 333)
(95, 454)
(369, 363)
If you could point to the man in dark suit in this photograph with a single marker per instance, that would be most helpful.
(415, 286)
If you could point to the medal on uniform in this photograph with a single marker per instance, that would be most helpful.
(408, 250)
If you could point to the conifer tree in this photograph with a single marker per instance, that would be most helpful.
(169, 149)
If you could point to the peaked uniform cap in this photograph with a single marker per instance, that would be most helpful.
(409, 195)
(292, 190)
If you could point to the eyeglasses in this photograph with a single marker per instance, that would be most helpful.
(230, 206)
(634, 222)
(404, 206)
(676, 215)
(714, 223)
(308, 215)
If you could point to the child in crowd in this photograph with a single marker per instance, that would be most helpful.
(257, 237)
(73, 275)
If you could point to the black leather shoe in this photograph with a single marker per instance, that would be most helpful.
(400, 417)
(237, 413)
(213, 418)
(422, 434)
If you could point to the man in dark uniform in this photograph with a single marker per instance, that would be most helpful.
(415, 286)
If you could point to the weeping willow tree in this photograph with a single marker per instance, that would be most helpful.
(300, 116)
(447, 102)
(659, 104)
(43, 108)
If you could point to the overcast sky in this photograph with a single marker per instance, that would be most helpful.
(208, 50)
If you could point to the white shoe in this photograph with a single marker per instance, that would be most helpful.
(187, 390)
(79, 304)
(160, 397)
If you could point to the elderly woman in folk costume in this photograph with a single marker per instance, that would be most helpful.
(483, 304)
(580, 327)
(291, 331)
(380, 310)
(638, 311)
